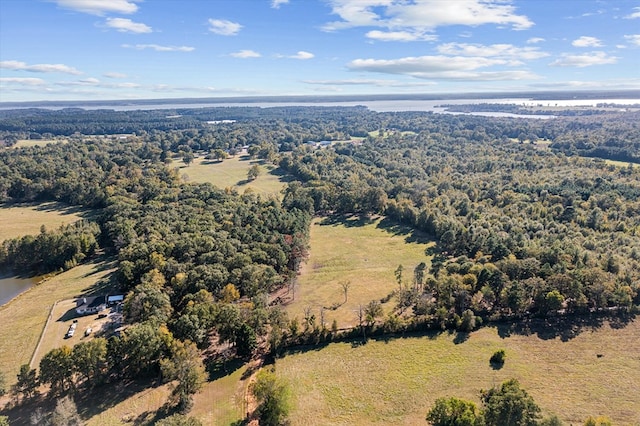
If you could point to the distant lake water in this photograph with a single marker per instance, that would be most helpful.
(11, 286)
(374, 105)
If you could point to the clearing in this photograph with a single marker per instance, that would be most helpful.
(25, 143)
(364, 252)
(17, 220)
(232, 173)
(396, 380)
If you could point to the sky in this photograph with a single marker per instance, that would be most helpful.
(151, 49)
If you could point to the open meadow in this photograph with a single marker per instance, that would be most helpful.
(232, 173)
(396, 380)
(25, 143)
(363, 252)
(17, 220)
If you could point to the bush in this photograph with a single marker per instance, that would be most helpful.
(497, 358)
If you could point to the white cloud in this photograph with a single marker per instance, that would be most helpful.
(586, 41)
(115, 75)
(506, 51)
(47, 68)
(244, 54)
(302, 55)
(634, 15)
(128, 26)
(534, 40)
(277, 3)
(441, 67)
(99, 7)
(368, 82)
(224, 27)
(400, 36)
(424, 14)
(585, 60)
(160, 48)
(23, 81)
(633, 39)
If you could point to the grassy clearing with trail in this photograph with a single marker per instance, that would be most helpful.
(396, 381)
(363, 252)
(17, 220)
(24, 318)
(232, 173)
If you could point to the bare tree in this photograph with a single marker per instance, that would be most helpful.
(345, 288)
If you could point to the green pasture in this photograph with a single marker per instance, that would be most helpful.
(363, 252)
(232, 173)
(17, 220)
(396, 380)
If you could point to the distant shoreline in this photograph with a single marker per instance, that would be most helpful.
(541, 96)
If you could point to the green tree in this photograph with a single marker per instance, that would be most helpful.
(509, 405)
(147, 302)
(254, 172)
(372, 311)
(454, 412)
(273, 397)
(27, 383)
(90, 359)
(56, 369)
(184, 366)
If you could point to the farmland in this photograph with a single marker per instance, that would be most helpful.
(395, 380)
(17, 220)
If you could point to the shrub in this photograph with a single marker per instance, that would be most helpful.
(497, 358)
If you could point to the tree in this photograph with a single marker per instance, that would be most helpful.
(398, 275)
(273, 397)
(147, 302)
(27, 383)
(372, 311)
(497, 359)
(509, 405)
(56, 369)
(454, 412)
(418, 275)
(66, 413)
(90, 359)
(345, 289)
(188, 158)
(230, 293)
(253, 173)
(185, 366)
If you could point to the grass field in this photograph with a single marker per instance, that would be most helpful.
(22, 143)
(232, 173)
(397, 381)
(363, 252)
(26, 219)
(24, 318)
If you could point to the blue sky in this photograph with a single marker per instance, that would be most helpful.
(135, 49)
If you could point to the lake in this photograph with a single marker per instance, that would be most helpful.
(11, 286)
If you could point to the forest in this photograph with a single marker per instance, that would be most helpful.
(529, 217)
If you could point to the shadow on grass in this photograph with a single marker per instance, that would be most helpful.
(348, 221)
(219, 368)
(565, 327)
(94, 401)
(411, 235)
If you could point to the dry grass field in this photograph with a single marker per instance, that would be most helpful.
(232, 173)
(396, 381)
(363, 252)
(23, 143)
(17, 220)
(24, 318)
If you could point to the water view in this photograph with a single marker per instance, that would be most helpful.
(11, 286)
